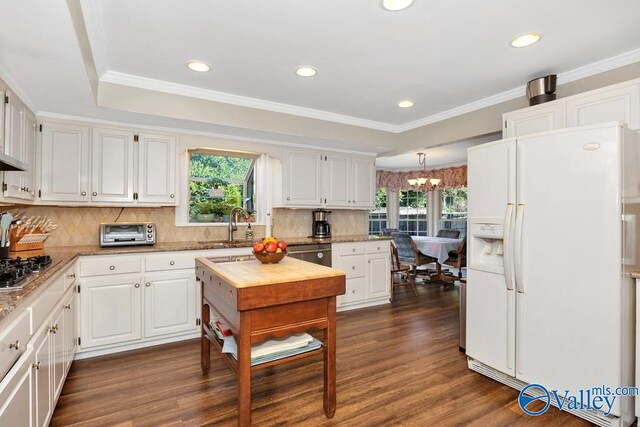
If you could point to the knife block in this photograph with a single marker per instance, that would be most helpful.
(22, 241)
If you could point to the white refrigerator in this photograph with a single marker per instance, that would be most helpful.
(549, 297)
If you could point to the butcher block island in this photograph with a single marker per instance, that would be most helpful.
(262, 302)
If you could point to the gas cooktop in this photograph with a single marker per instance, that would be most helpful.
(16, 273)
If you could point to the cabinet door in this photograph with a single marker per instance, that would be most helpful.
(111, 165)
(157, 169)
(170, 303)
(612, 105)
(110, 310)
(29, 176)
(43, 377)
(58, 351)
(16, 394)
(70, 330)
(65, 163)
(337, 181)
(14, 142)
(364, 183)
(532, 120)
(302, 178)
(378, 276)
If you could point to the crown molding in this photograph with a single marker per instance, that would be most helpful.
(244, 101)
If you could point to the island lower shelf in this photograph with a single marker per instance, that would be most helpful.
(233, 363)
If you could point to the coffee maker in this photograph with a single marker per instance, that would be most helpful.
(321, 227)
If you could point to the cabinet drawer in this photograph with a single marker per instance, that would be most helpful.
(170, 261)
(378, 247)
(101, 267)
(17, 334)
(354, 292)
(353, 266)
(355, 248)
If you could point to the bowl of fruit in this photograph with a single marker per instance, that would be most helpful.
(270, 250)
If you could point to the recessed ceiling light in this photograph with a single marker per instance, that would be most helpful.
(396, 5)
(306, 71)
(405, 104)
(198, 66)
(525, 40)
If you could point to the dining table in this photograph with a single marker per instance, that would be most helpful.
(437, 247)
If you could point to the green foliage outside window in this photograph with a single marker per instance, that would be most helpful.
(217, 183)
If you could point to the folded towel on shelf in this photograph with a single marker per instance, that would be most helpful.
(274, 349)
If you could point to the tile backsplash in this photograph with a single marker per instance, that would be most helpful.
(79, 225)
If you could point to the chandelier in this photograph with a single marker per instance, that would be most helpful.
(422, 160)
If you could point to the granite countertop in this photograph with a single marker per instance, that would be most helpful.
(635, 275)
(64, 256)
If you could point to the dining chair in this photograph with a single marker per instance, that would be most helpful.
(409, 254)
(398, 268)
(458, 258)
(449, 234)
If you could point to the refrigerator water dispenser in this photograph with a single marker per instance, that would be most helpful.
(486, 246)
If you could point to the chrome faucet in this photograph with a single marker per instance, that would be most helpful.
(233, 220)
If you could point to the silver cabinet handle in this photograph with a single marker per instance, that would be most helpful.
(68, 306)
(171, 195)
(354, 249)
(172, 263)
(15, 345)
(112, 267)
(288, 198)
(353, 267)
(72, 276)
(353, 291)
(378, 247)
(137, 285)
(369, 261)
(84, 193)
(147, 284)
(94, 193)
(36, 365)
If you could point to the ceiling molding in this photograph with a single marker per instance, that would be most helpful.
(190, 91)
(115, 77)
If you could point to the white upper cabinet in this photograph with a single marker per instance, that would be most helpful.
(302, 178)
(64, 174)
(540, 118)
(156, 169)
(620, 104)
(111, 165)
(364, 183)
(337, 170)
(314, 179)
(19, 144)
(617, 103)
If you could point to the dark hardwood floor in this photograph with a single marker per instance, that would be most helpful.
(398, 365)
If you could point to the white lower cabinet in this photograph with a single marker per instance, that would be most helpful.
(170, 303)
(367, 267)
(30, 389)
(111, 310)
(16, 394)
(159, 303)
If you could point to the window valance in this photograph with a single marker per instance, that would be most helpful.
(394, 181)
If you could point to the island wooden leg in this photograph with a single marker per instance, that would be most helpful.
(244, 370)
(329, 401)
(205, 345)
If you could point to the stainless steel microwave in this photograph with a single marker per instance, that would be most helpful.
(127, 233)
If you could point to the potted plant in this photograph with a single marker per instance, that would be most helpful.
(209, 211)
